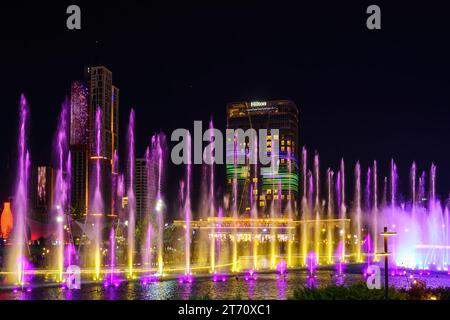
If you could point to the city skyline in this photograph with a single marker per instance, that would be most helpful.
(224, 151)
(379, 96)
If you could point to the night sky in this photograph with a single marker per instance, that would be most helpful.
(362, 95)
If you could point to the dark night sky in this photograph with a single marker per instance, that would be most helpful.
(362, 95)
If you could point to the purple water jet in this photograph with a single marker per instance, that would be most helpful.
(17, 260)
(131, 197)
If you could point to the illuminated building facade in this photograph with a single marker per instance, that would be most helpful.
(269, 188)
(103, 95)
(95, 91)
(141, 188)
(79, 118)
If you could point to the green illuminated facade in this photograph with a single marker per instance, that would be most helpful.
(267, 188)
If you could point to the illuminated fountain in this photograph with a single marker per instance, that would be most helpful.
(17, 260)
(233, 236)
(422, 240)
(311, 265)
(131, 226)
(235, 206)
(305, 209)
(254, 205)
(281, 269)
(157, 164)
(185, 192)
(317, 209)
(340, 265)
(147, 248)
(96, 203)
(112, 279)
(61, 201)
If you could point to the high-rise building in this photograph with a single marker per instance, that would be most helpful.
(267, 187)
(79, 120)
(141, 188)
(95, 91)
(105, 96)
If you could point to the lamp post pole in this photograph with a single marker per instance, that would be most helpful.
(386, 255)
(386, 265)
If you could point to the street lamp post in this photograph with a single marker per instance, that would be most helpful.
(386, 234)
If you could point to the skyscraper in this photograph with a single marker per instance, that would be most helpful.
(79, 120)
(266, 186)
(95, 91)
(141, 188)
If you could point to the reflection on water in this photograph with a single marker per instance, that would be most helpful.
(267, 286)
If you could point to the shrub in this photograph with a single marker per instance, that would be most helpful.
(356, 291)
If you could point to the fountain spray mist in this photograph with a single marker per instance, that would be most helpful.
(96, 204)
(305, 230)
(131, 198)
(159, 150)
(187, 209)
(357, 215)
(211, 196)
(317, 227)
(330, 209)
(17, 258)
(61, 203)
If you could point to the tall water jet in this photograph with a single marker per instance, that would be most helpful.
(367, 197)
(254, 202)
(273, 231)
(291, 207)
(61, 203)
(357, 213)
(374, 226)
(235, 206)
(96, 203)
(187, 208)
(112, 256)
(18, 258)
(393, 186)
(343, 210)
(432, 186)
(147, 259)
(210, 150)
(159, 150)
(304, 210)
(120, 195)
(115, 199)
(131, 198)
(412, 179)
(340, 266)
(146, 249)
(317, 209)
(422, 187)
(330, 211)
